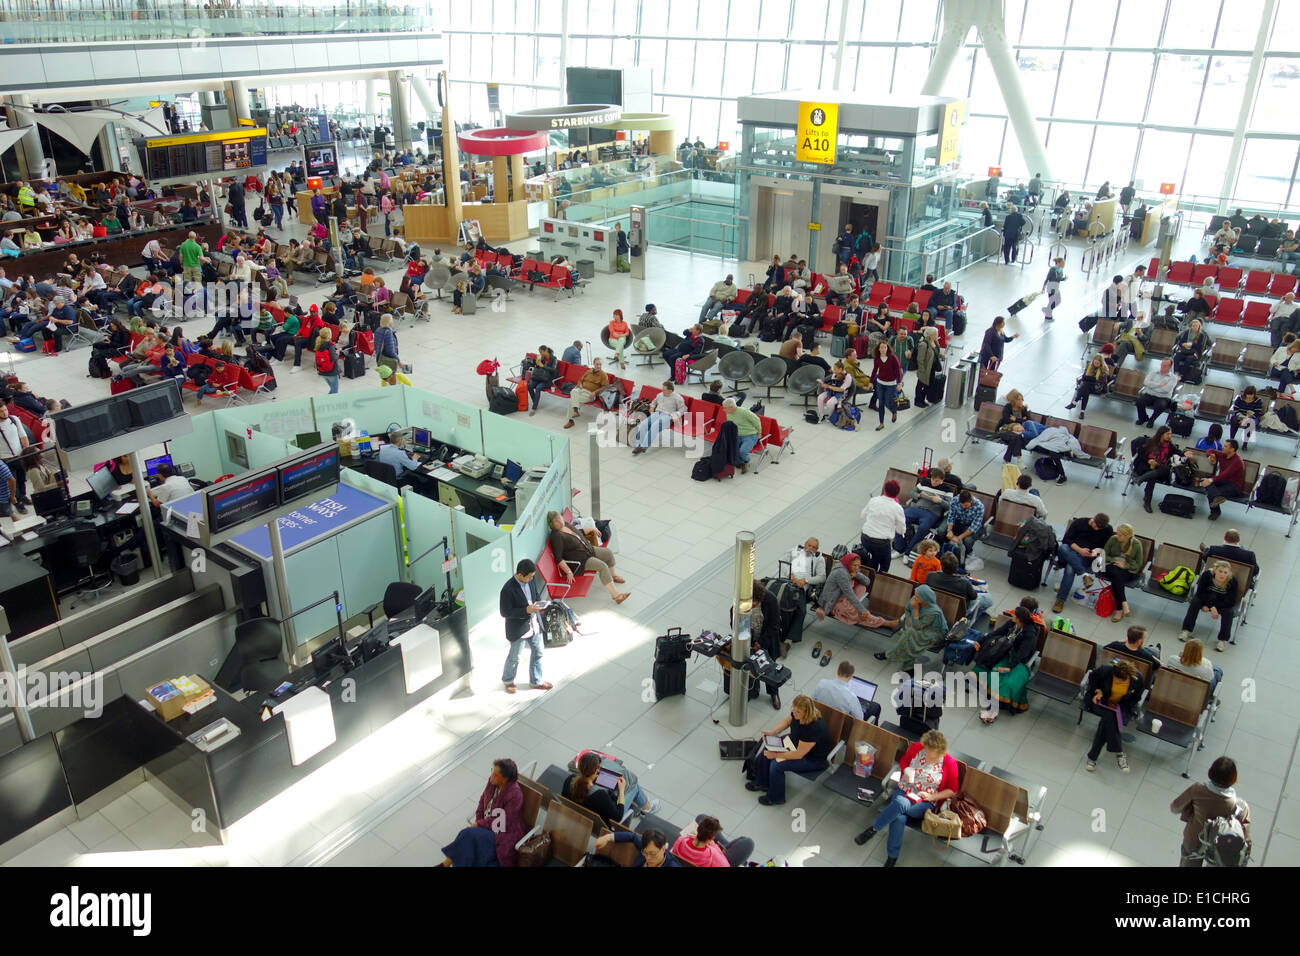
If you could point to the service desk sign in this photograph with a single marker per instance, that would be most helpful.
(818, 130)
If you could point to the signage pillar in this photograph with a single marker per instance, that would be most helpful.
(146, 519)
(637, 241)
(742, 604)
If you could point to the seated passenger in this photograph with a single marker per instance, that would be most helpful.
(1216, 594)
(812, 743)
(1112, 694)
(651, 844)
(929, 779)
(582, 789)
(705, 846)
(1247, 409)
(498, 822)
(1002, 663)
(839, 599)
(922, 624)
(927, 561)
(1095, 380)
(1134, 644)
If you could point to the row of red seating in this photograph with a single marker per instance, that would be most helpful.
(246, 381)
(573, 372)
(557, 277)
(1228, 278)
(834, 313)
(1230, 311)
(704, 419)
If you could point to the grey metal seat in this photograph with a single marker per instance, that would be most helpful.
(657, 339)
(769, 373)
(803, 382)
(735, 367)
(702, 364)
(438, 278)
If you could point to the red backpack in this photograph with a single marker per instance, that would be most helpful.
(324, 361)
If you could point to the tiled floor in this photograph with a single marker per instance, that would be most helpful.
(422, 773)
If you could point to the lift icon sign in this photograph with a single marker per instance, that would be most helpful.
(817, 132)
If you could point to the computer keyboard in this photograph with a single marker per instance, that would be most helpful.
(491, 491)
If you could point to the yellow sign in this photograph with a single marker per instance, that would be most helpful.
(950, 135)
(219, 137)
(246, 122)
(817, 131)
(815, 226)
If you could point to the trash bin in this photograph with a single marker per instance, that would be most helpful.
(960, 377)
(586, 268)
(127, 568)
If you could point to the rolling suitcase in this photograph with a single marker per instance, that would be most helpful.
(1024, 574)
(669, 679)
(985, 393)
(672, 647)
(354, 364)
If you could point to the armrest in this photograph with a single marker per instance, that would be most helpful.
(537, 828)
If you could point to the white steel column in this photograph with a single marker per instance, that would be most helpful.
(993, 36)
(432, 111)
(839, 49)
(564, 50)
(237, 102)
(401, 110)
(1247, 103)
(372, 98)
(957, 20)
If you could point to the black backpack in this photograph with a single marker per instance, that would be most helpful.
(98, 366)
(503, 401)
(993, 650)
(1287, 413)
(702, 470)
(1271, 489)
(1048, 469)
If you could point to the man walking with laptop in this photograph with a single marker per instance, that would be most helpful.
(522, 607)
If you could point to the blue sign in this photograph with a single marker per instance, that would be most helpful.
(317, 519)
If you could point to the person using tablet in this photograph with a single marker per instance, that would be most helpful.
(811, 743)
(603, 791)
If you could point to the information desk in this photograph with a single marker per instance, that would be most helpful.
(245, 770)
(500, 506)
(346, 542)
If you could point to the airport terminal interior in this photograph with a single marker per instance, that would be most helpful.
(307, 456)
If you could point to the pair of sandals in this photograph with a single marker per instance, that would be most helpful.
(817, 651)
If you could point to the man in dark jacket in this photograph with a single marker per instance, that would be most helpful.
(521, 605)
(1011, 227)
(691, 345)
(1232, 550)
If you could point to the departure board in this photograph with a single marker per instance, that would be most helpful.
(205, 154)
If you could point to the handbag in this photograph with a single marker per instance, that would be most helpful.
(990, 378)
(945, 825)
(536, 850)
(1105, 602)
(972, 817)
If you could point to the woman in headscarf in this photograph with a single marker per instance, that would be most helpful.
(1005, 652)
(922, 624)
(839, 600)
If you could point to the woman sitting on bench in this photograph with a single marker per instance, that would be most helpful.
(498, 823)
(1002, 663)
(812, 743)
(1014, 412)
(839, 600)
(1247, 410)
(1112, 694)
(920, 627)
(929, 779)
(1095, 380)
(1189, 349)
(1152, 462)
(1216, 592)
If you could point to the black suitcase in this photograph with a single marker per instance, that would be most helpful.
(985, 393)
(934, 391)
(771, 329)
(672, 647)
(1024, 574)
(958, 324)
(670, 679)
(354, 364)
(1181, 506)
(1181, 424)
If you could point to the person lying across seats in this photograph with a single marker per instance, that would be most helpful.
(571, 547)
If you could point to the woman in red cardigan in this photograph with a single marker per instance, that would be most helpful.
(929, 779)
(886, 378)
(498, 823)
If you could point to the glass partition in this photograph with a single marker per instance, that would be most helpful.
(285, 418)
(427, 523)
(505, 437)
(199, 448)
(373, 410)
(530, 531)
(485, 556)
(448, 421)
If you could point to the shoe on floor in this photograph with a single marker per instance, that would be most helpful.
(864, 836)
(753, 787)
(1123, 763)
(1221, 646)
(654, 806)
(511, 689)
(744, 468)
(1087, 580)
(1146, 506)
(817, 650)
(295, 370)
(1214, 514)
(1184, 636)
(767, 801)
(542, 686)
(826, 658)
(1058, 606)
(1090, 766)
(891, 861)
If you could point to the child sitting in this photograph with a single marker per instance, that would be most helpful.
(927, 560)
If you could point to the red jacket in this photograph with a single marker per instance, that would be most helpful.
(227, 376)
(310, 323)
(949, 780)
(1231, 470)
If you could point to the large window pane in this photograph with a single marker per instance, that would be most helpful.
(1240, 24)
(1191, 22)
(1286, 27)
(548, 61)
(708, 69)
(1279, 88)
(600, 17)
(652, 56)
(1068, 145)
(681, 62)
(704, 121)
(625, 18)
(811, 20)
(775, 20)
(1127, 81)
(1141, 18)
(985, 95)
(1177, 90)
(682, 19)
(1112, 155)
(878, 21)
(806, 66)
(1080, 86)
(981, 142)
(919, 20)
(654, 18)
(1091, 24)
(769, 71)
(1265, 175)
(713, 18)
(1044, 23)
(1208, 161)
(1163, 158)
(1038, 75)
(738, 76)
(910, 70)
(1223, 91)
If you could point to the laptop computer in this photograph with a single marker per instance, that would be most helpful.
(737, 749)
(863, 690)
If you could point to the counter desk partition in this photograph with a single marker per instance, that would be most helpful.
(247, 760)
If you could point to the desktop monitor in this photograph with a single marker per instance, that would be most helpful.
(307, 440)
(514, 471)
(151, 464)
(102, 483)
(421, 438)
(152, 405)
(88, 424)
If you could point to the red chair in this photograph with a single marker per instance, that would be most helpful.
(1180, 273)
(1153, 269)
(1257, 282)
(1282, 284)
(1256, 315)
(1203, 272)
(922, 299)
(900, 297)
(1229, 311)
(742, 296)
(904, 323)
(1229, 278)
(556, 585)
(880, 291)
(1213, 302)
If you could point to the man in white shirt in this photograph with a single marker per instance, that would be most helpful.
(836, 692)
(1157, 393)
(807, 565)
(1022, 495)
(1284, 317)
(13, 441)
(1133, 291)
(1112, 298)
(152, 254)
(173, 486)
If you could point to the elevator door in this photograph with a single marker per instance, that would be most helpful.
(783, 228)
(861, 216)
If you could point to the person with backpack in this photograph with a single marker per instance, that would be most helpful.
(327, 360)
(1208, 810)
(1153, 462)
(1005, 652)
(1216, 593)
